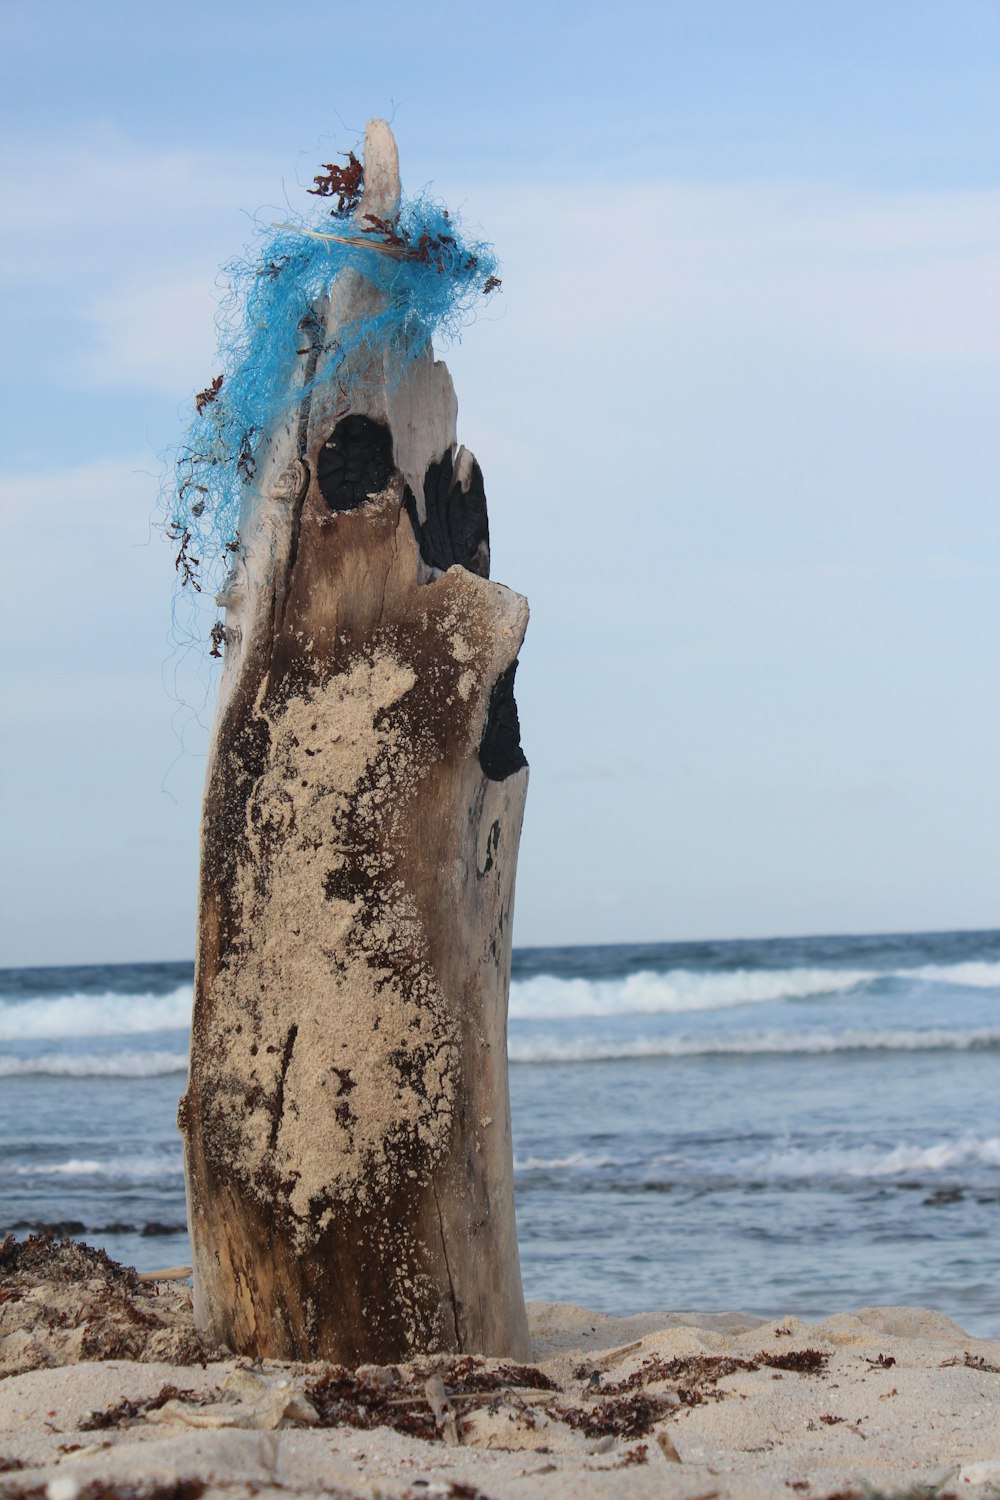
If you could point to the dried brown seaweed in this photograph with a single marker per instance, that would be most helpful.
(346, 184)
(972, 1362)
(42, 1258)
(343, 1398)
(125, 1411)
(468, 1375)
(64, 1301)
(802, 1361)
(691, 1373)
(102, 1489)
(623, 1416)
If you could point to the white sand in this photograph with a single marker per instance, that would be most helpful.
(923, 1418)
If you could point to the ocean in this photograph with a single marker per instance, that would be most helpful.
(791, 1126)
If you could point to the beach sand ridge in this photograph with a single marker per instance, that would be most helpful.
(681, 1405)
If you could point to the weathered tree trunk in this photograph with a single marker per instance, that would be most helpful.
(347, 1124)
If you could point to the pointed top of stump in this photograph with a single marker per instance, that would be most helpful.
(381, 193)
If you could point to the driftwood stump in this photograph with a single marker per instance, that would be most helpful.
(347, 1122)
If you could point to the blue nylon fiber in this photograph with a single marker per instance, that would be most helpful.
(272, 290)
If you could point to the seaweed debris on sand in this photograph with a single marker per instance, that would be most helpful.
(888, 1401)
(62, 1302)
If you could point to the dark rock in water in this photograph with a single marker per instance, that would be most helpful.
(944, 1196)
(61, 1228)
(113, 1229)
(155, 1227)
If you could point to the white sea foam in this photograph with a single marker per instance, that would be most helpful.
(586, 1161)
(95, 1015)
(542, 997)
(131, 1168)
(550, 1049)
(97, 1065)
(796, 1162)
(974, 975)
(872, 1161)
(546, 997)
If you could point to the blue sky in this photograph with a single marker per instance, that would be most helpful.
(735, 410)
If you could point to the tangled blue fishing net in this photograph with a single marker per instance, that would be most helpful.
(430, 277)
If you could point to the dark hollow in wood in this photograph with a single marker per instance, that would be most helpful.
(354, 462)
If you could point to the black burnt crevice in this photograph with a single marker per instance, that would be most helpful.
(457, 527)
(279, 1093)
(500, 753)
(355, 462)
(312, 327)
(492, 845)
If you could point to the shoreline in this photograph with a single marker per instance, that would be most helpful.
(735, 1189)
(678, 1405)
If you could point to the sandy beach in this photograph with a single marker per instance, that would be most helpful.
(108, 1392)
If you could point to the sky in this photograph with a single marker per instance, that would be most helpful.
(735, 408)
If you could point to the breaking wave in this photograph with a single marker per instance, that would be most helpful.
(874, 1161)
(648, 993)
(95, 1015)
(977, 975)
(551, 1049)
(541, 997)
(786, 1163)
(123, 1168)
(112, 1065)
(547, 997)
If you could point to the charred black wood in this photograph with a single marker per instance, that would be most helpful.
(500, 753)
(457, 527)
(354, 462)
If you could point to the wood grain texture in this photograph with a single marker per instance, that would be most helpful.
(347, 1124)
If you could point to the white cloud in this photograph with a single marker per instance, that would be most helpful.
(84, 568)
(156, 331)
(894, 274)
(85, 206)
(127, 244)
(131, 239)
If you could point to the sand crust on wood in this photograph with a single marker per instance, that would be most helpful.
(311, 1009)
